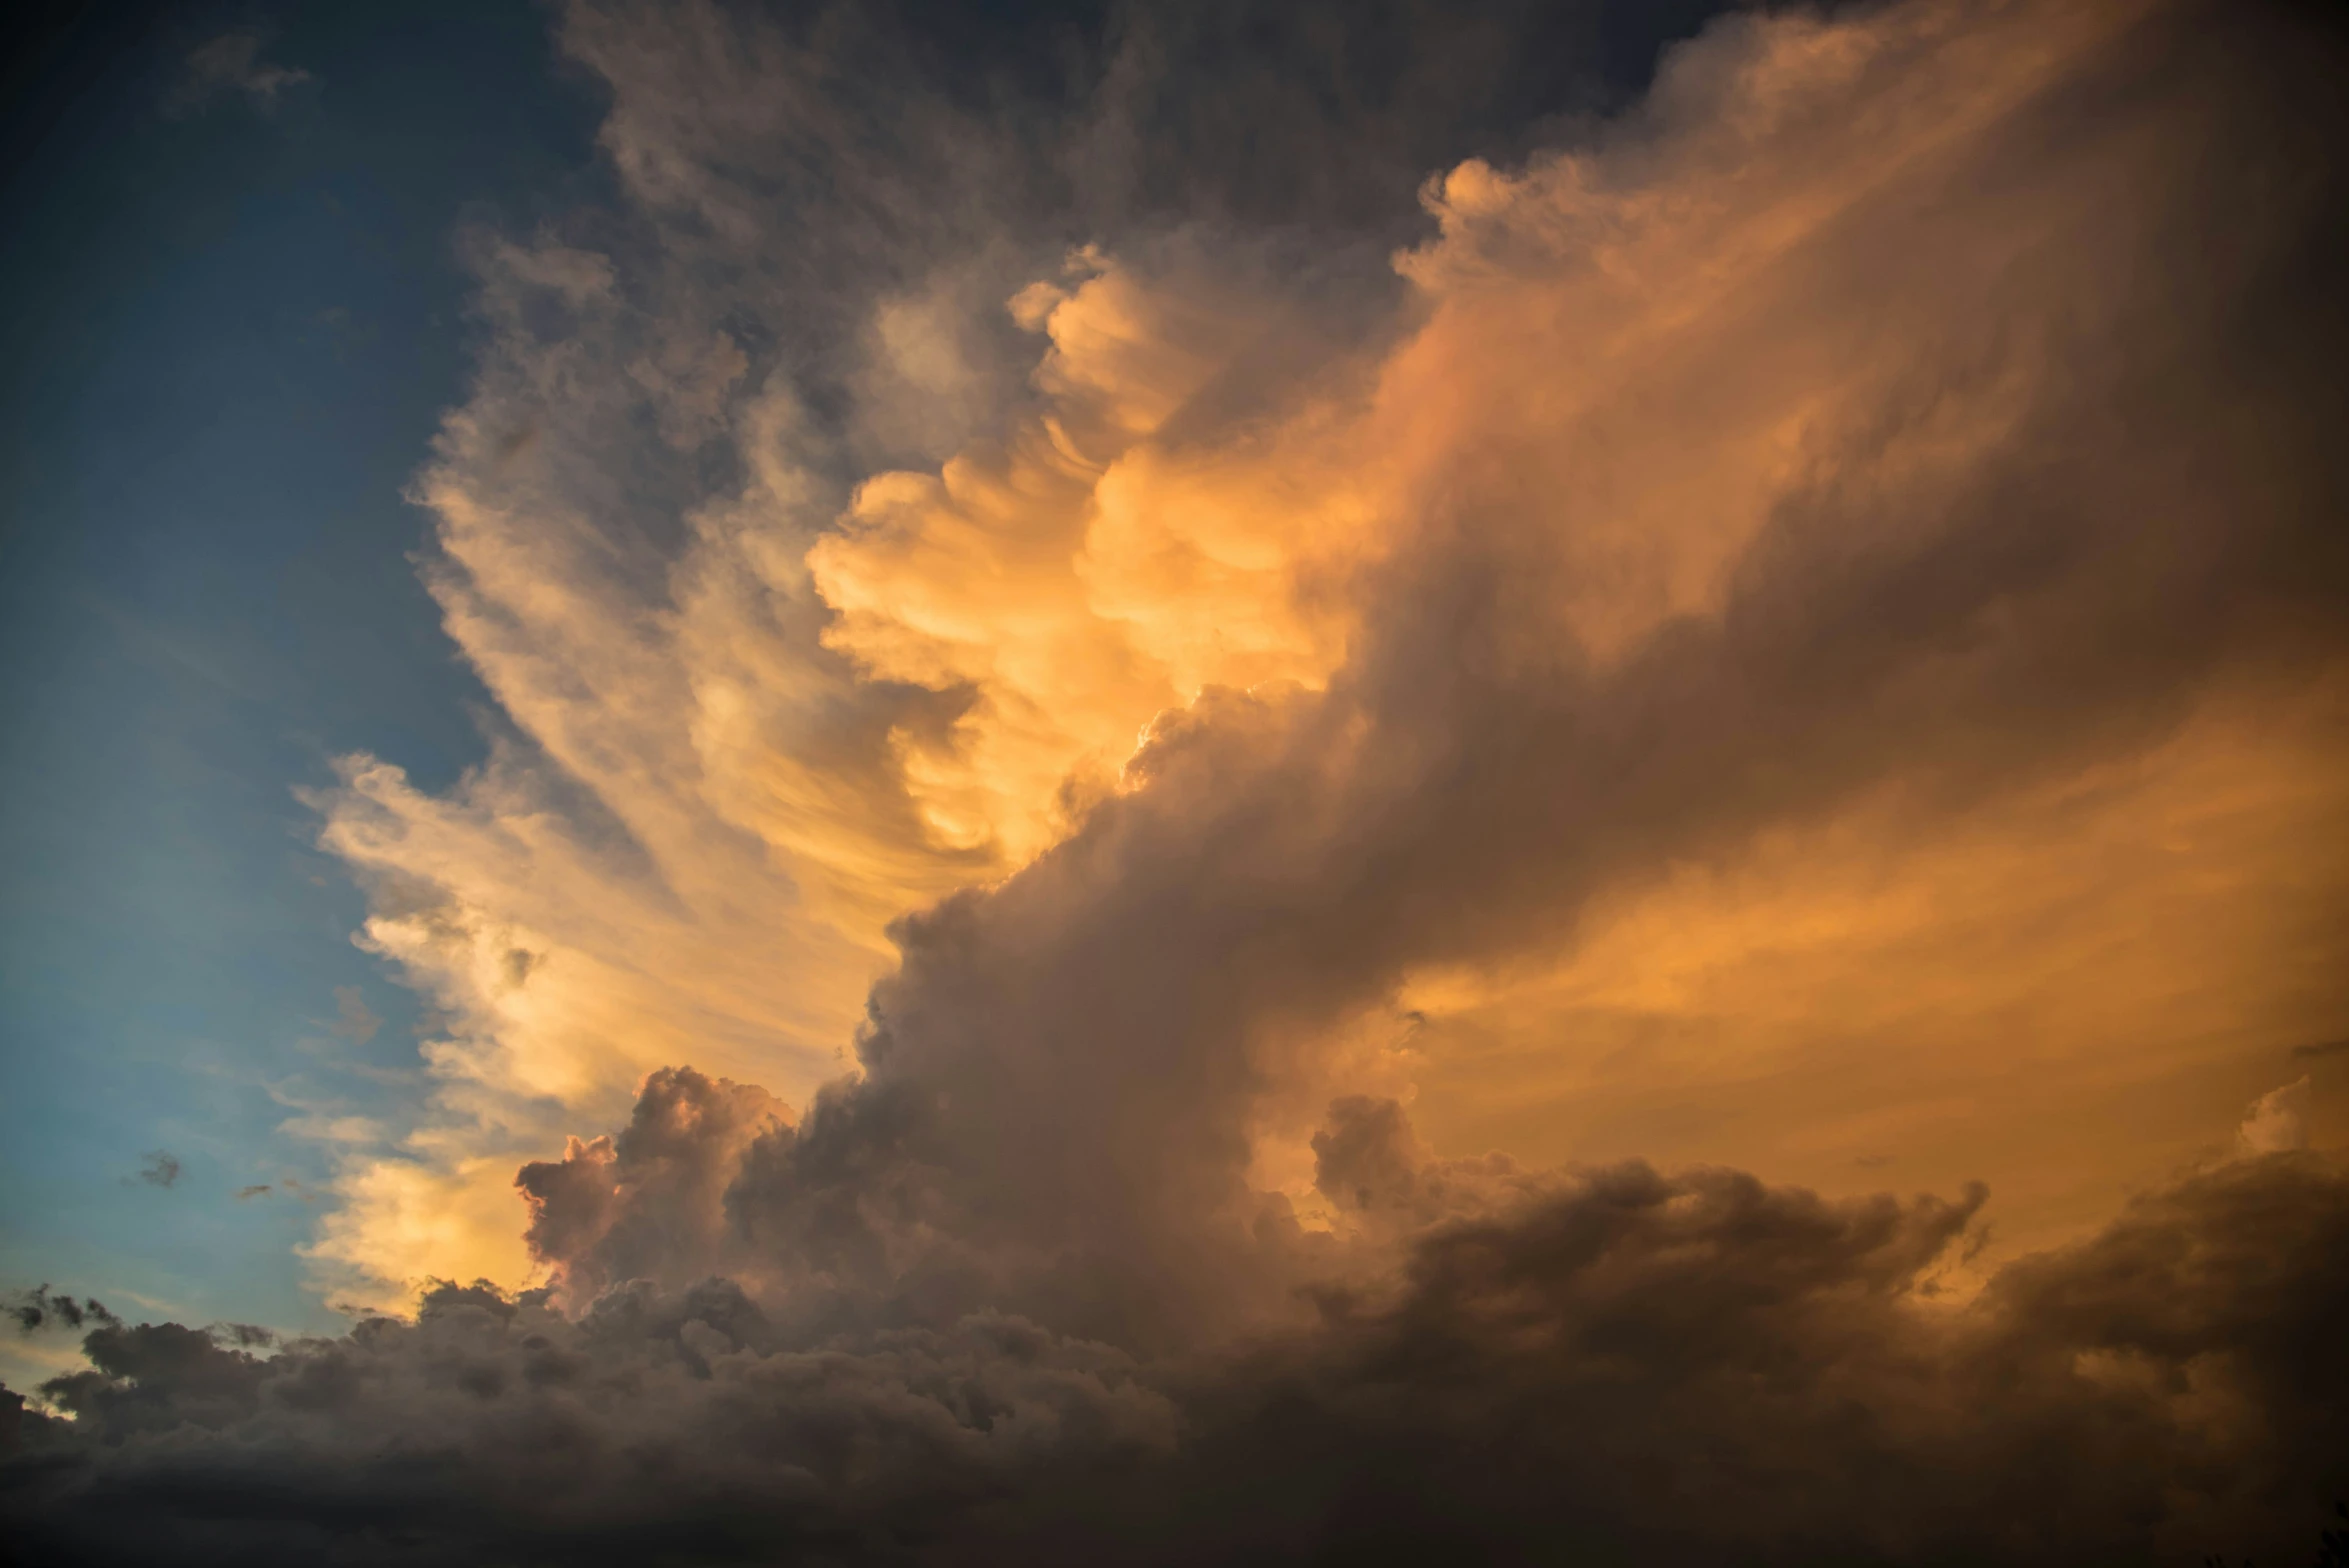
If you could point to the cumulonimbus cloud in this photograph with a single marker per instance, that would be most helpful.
(1905, 430)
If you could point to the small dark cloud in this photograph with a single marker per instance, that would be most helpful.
(2322, 1048)
(161, 1169)
(231, 63)
(257, 1190)
(37, 1309)
(1872, 1161)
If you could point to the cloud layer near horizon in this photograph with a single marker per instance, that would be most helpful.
(1824, 593)
(1632, 1367)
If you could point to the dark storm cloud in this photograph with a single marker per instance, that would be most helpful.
(1626, 1367)
(654, 1424)
(1702, 1369)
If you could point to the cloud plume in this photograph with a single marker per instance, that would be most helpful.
(1737, 495)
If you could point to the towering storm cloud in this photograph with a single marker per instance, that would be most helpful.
(1115, 657)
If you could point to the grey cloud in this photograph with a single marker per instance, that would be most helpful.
(650, 1203)
(664, 1423)
(232, 63)
(1627, 1366)
(801, 182)
(37, 1309)
(161, 1169)
(155, 1377)
(1702, 1369)
(1369, 1163)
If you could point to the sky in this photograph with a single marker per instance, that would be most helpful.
(1128, 783)
(241, 309)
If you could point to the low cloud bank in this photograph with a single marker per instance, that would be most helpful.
(1616, 1365)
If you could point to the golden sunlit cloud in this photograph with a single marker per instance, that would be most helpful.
(742, 756)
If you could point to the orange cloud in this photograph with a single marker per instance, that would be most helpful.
(1778, 434)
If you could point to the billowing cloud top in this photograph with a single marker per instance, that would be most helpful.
(1804, 619)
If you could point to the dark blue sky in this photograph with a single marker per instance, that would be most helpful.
(231, 325)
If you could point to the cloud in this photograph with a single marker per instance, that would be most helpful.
(161, 1169)
(706, 747)
(651, 1202)
(325, 1120)
(1654, 604)
(1806, 604)
(2276, 1122)
(2164, 1388)
(334, 1129)
(38, 1308)
(232, 63)
(1584, 644)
